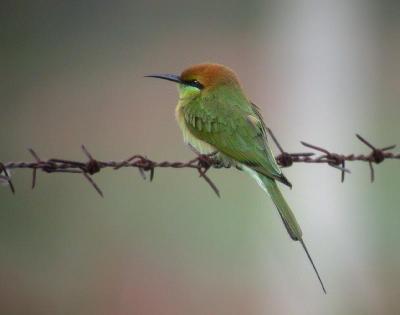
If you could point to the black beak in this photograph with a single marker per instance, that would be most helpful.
(169, 77)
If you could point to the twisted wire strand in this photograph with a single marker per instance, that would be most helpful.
(201, 163)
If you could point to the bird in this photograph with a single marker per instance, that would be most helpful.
(216, 117)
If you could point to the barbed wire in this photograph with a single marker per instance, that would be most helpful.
(202, 163)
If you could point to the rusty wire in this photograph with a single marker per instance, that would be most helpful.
(202, 163)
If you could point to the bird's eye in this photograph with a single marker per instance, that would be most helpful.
(195, 84)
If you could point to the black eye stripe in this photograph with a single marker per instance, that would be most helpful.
(194, 83)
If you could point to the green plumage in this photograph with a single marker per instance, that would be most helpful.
(236, 130)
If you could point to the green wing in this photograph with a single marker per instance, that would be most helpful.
(237, 130)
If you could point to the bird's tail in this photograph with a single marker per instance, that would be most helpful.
(288, 218)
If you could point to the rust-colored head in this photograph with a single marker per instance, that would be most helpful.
(209, 75)
(203, 76)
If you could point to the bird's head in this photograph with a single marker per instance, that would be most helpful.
(201, 79)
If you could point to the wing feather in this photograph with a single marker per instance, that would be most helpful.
(237, 131)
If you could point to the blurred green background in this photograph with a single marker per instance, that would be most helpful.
(72, 74)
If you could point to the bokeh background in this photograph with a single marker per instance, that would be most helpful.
(72, 74)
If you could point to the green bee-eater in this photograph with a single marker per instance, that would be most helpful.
(215, 115)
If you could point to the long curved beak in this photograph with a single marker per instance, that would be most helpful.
(169, 77)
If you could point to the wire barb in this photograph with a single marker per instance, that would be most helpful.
(34, 170)
(377, 155)
(6, 177)
(201, 163)
(284, 159)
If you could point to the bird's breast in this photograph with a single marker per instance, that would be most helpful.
(200, 145)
